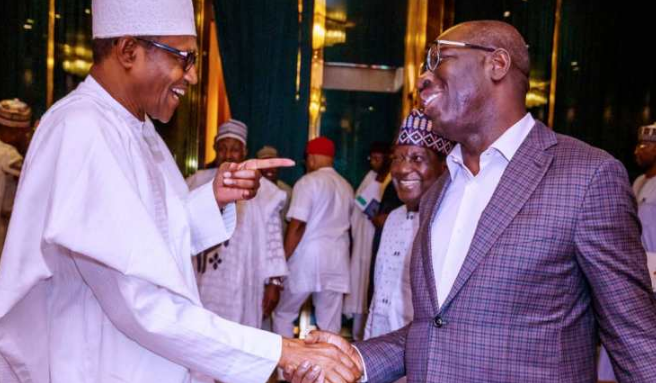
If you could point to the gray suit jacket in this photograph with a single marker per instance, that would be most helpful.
(556, 262)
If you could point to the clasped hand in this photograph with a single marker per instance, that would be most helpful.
(322, 357)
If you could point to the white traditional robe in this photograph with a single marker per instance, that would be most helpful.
(362, 232)
(9, 157)
(96, 281)
(232, 278)
(324, 200)
(391, 304)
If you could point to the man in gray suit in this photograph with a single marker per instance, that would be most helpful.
(529, 248)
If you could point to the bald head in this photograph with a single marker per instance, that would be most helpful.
(496, 34)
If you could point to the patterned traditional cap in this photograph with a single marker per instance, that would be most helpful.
(417, 130)
(267, 152)
(15, 114)
(115, 18)
(232, 129)
(647, 133)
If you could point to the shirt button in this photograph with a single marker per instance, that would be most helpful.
(438, 321)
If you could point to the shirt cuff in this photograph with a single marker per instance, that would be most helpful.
(364, 377)
(208, 225)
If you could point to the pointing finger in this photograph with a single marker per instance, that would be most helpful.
(267, 163)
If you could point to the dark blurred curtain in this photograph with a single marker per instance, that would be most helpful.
(23, 38)
(260, 42)
(606, 75)
(375, 35)
(535, 21)
(73, 55)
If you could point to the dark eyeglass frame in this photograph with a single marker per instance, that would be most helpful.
(434, 51)
(188, 58)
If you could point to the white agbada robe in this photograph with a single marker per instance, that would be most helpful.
(9, 157)
(233, 275)
(645, 191)
(96, 281)
(324, 201)
(362, 232)
(391, 305)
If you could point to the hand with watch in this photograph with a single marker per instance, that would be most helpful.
(272, 288)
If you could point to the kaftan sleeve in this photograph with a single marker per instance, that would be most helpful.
(208, 226)
(180, 331)
(301, 205)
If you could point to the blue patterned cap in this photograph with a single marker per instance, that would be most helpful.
(417, 130)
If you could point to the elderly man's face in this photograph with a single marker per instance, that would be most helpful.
(455, 93)
(162, 80)
(229, 150)
(414, 169)
(645, 154)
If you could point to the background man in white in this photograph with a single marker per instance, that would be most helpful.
(240, 279)
(367, 200)
(96, 284)
(317, 242)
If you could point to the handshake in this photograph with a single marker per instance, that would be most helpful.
(321, 357)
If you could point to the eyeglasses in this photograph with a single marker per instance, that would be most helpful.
(433, 57)
(188, 58)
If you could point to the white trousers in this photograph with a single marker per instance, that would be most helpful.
(327, 309)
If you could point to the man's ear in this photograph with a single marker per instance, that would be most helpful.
(501, 62)
(125, 51)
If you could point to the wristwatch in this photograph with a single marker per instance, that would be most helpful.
(276, 281)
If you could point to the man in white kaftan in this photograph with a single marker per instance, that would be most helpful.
(367, 201)
(10, 164)
(644, 188)
(234, 276)
(272, 175)
(96, 282)
(418, 160)
(317, 243)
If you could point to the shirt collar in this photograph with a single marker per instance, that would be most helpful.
(507, 144)
(125, 114)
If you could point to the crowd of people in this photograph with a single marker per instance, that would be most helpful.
(481, 246)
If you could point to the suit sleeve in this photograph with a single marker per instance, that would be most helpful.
(384, 356)
(609, 251)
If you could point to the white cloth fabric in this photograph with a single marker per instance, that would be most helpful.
(327, 311)
(115, 18)
(200, 178)
(9, 158)
(391, 304)
(288, 191)
(232, 280)
(324, 201)
(453, 227)
(645, 191)
(362, 232)
(96, 282)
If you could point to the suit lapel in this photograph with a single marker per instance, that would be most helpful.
(428, 212)
(518, 182)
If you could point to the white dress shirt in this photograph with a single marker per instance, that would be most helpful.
(454, 225)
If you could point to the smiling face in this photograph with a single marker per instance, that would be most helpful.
(645, 154)
(455, 94)
(414, 169)
(159, 80)
(229, 150)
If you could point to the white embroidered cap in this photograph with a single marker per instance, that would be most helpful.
(115, 18)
